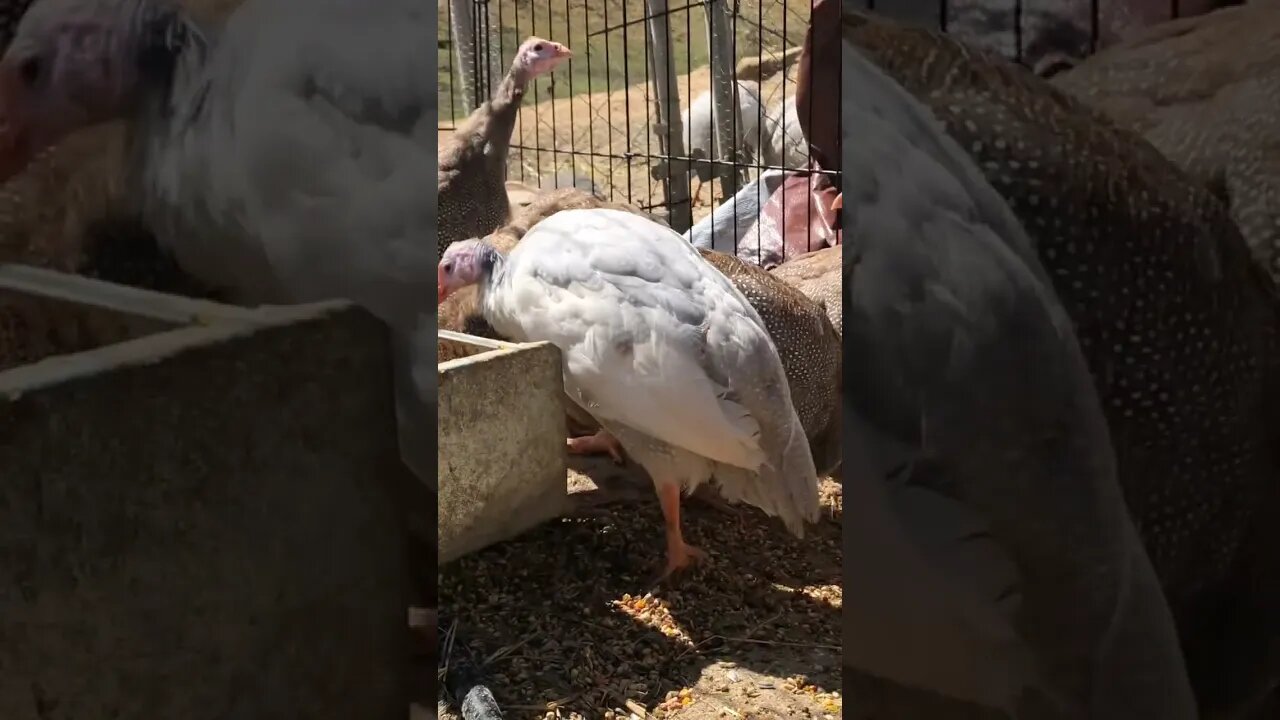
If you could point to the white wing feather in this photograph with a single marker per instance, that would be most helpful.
(642, 322)
(313, 144)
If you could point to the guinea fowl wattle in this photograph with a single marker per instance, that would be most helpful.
(662, 350)
(473, 162)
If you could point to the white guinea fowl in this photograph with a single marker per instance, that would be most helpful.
(700, 139)
(661, 349)
(285, 157)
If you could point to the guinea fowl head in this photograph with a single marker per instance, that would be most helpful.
(464, 263)
(538, 57)
(76, 63)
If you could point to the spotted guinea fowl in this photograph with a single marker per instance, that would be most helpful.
(1052, 35)
(985, 530)
(1176, 321)
(817, 275)
(662, 350)
(473, 161)
(809, 346)
(1206, 92)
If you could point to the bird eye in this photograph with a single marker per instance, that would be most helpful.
(448, 267)
(537, 48)
(29, 70)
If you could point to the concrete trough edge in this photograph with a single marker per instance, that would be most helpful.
(497, 348)
(198, 323)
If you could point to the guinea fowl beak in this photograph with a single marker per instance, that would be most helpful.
(563, 52)
(442, 289)
(15, 139)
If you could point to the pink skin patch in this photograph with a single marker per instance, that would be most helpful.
(442, 285)
(67, 75)
(458, 268)
(801, 216)
(539, 57)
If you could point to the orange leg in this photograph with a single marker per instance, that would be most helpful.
(601, 442)
(680, 555)
(695, 198)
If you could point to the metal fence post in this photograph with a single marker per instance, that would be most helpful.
(724, 97)
(675, 183)
(464, 43)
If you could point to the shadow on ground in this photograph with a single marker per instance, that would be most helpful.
(565, 617)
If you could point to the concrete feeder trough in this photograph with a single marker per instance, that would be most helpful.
(203, 520)
(502, 462)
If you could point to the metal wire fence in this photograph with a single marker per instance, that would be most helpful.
(630, 116)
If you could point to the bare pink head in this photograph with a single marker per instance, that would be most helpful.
(468, 262)
(539, 57)
(75, 63)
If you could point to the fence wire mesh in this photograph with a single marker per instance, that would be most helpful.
(603, 121)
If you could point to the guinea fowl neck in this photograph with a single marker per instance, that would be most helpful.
(487, 290)
(503, 106)
(170, 53)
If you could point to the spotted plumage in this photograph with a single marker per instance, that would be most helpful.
(1177, 323)
(808, 346)
(1206, 92)
(817, 274)
(994, 556)
(471, 188)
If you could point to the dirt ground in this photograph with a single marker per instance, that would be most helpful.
(567, 623)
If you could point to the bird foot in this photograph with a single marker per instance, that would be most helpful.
(601, 442)
(680, 557)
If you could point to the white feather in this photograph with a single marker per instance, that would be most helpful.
(629, 352)
(290, 185)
